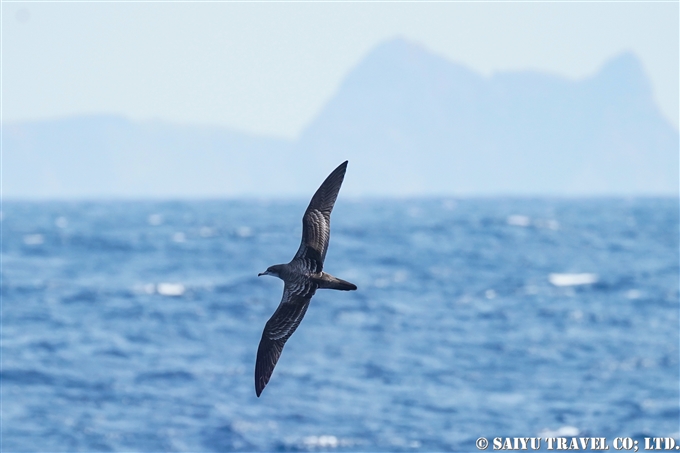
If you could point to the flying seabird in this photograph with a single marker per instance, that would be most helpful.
(302, 277)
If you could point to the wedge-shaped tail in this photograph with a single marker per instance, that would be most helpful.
(330, 282)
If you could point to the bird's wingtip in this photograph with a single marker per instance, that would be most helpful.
(260, 384)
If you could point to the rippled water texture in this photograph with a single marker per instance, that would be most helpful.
(133, 326)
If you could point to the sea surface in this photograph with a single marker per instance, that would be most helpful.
(133, 326)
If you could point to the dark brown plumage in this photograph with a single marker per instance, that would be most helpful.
(302, 276)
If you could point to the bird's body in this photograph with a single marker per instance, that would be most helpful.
(302, 276)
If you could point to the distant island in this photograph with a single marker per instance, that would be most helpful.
(410, 122)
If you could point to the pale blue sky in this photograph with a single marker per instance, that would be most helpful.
(268, 68)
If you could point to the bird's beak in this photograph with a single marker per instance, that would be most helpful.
(262, 273)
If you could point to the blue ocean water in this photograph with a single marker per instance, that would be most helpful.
(133, 326)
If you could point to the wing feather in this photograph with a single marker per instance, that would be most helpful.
(316, 223)
(277, 331)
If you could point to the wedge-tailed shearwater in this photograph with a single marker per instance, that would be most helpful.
(301, 277)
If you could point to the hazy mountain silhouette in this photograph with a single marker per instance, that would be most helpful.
(104, 155)
(427, 124)
(411, 123)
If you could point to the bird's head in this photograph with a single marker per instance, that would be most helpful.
(274, 270)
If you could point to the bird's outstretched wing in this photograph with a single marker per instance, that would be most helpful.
(316, 223)
(278, 330)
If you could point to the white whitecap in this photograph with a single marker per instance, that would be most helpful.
(563, 431)
(321, 441)
(34, 239)
(518, 220)
(170, 289)
(572, 279)
(179, 237)
(490, 294)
